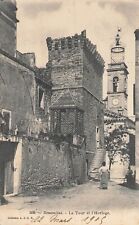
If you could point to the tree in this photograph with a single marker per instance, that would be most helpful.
(116, 142)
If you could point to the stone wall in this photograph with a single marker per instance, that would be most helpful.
(93, 117)
(43, 114)
(17, 91)
(67, 68)
(92, 97)
(92, 75)
(8, 27)
(46, 165)
(79, 164)
(7, 37)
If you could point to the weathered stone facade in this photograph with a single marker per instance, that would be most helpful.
(8, 25)
(77, 69)
(17, 89)
(54, 167)
(51, 117)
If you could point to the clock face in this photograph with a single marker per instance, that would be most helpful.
(115, 101)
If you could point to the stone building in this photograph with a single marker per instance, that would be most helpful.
(20, 115)
(116, 114)
(76, 103)
(51, 119)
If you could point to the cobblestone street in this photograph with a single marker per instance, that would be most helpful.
(83, 204)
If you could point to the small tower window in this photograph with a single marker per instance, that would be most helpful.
(115, 84)
(97, 137)
(5, 121)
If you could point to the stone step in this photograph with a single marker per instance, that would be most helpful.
(96, 163)
(98, 159)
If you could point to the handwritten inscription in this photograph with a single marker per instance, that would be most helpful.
(65, 217)
(88, 219)
(37, 219)
(56, 218)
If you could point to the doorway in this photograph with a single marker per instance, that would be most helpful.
(2, 178)
(7, 154)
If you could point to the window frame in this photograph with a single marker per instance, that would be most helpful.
(10, 118)
(114, 84)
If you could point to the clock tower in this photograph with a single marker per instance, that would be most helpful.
(117, 79)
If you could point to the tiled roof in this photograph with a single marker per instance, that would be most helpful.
(113, 117)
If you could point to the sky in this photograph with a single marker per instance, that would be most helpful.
(40, 19)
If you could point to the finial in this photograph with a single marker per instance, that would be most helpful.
(117, 39)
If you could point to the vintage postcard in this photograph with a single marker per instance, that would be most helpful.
(69, 112)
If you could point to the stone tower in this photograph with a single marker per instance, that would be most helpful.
(8, 25)
(77, 76)
(117, 79)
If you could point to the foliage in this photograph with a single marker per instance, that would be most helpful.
(116, 142)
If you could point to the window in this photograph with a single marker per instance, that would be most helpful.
(97, 137)
(41, 98)
(6, 121)
(121, 111)
(67, 121)
(115, 84)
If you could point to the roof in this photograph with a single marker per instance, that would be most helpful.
(113, 117)
(66, 100)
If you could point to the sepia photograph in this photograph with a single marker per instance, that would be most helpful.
(69, 112)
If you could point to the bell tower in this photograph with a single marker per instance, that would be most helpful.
(117, 78)
(8, 26)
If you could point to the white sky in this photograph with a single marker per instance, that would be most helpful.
(57, 18)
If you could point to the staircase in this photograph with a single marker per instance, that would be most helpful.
(96, 163)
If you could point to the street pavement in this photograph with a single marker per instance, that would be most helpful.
(82, 204)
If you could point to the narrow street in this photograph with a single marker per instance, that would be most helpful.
(83, 204)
